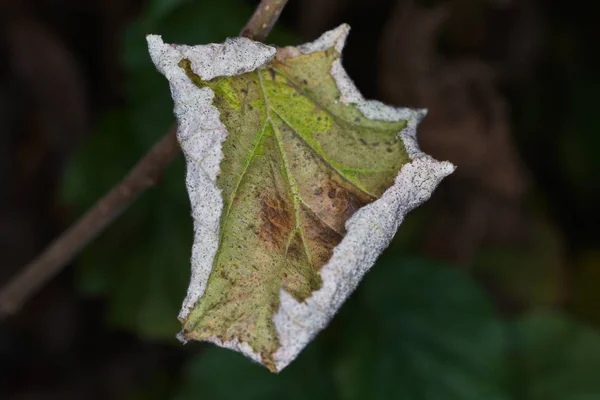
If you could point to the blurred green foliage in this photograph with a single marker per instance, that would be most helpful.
(557, 357)
(414, 330)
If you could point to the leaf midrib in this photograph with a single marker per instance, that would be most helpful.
(292, 186)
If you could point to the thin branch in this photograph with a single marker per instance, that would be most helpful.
(144, 175)
(263, 19)
(61, 251)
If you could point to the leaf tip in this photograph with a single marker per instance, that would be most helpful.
(335, 38)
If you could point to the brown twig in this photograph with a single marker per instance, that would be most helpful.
(62, 250)
(144, 175)
(263, 19)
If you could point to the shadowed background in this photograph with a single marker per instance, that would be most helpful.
(489, 291)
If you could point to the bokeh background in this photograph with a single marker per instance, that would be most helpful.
(489, 291)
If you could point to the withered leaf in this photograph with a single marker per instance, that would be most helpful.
(296, 183)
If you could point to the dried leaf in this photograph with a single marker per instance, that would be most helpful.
(297, 184)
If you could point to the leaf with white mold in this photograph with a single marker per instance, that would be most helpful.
(297, 184)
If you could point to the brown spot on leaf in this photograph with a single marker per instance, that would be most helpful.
(276, 221)
(342, 200)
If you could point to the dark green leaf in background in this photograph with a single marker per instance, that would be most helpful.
(427, 332)
(222, 374)
(558, 358)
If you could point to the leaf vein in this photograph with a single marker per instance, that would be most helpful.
(293, 189)
(327, 163)
(241, 178)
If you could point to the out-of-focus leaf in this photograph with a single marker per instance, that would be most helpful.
(425, 332)
(218, 374)
(532, 273)
(158, 9)
(557, 358)
(141, 263)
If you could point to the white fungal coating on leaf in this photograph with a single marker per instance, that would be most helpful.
(369, 230)
(200, 133)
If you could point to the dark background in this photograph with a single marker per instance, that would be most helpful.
(489, 291)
